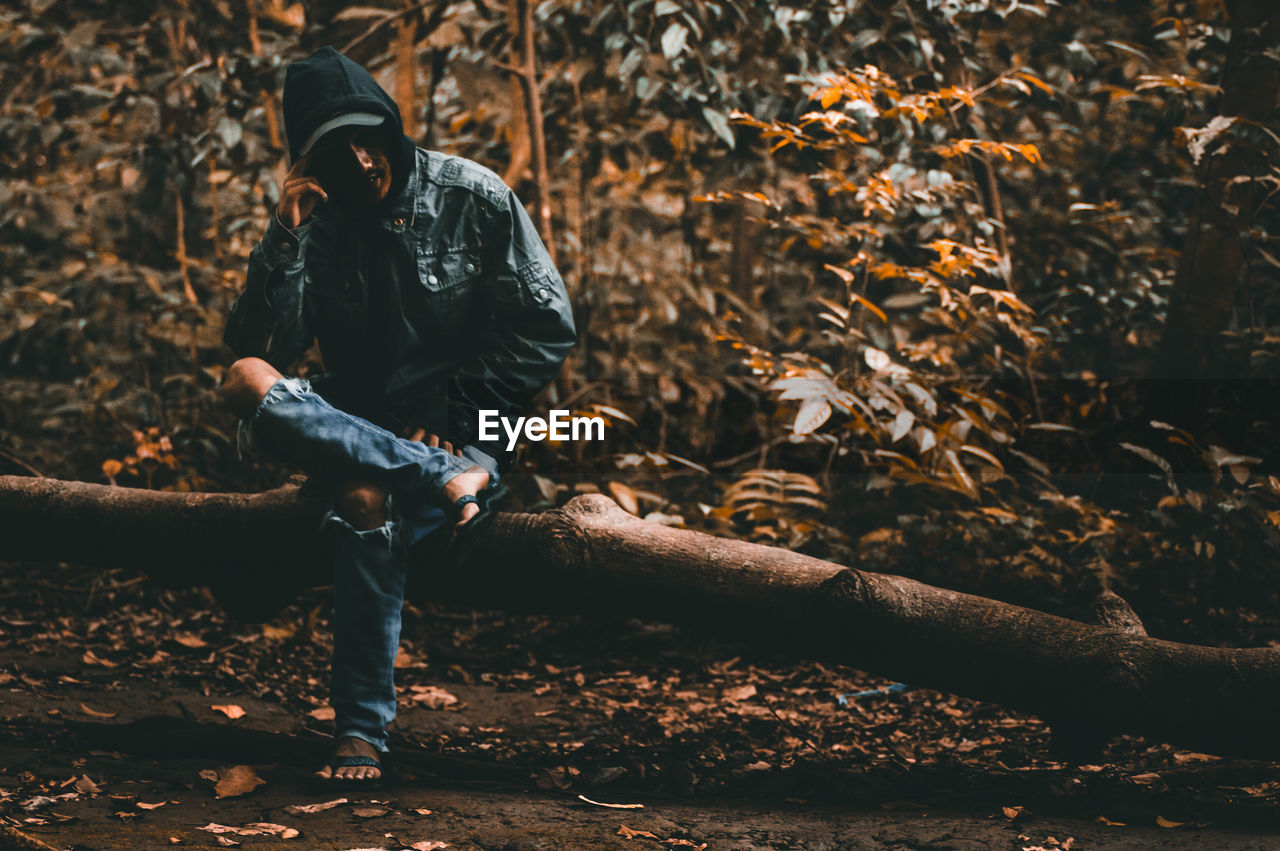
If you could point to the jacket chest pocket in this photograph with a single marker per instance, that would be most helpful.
(443, 271)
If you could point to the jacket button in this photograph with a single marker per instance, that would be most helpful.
(398, 223)
(433, 280)
(543, 294)
(471, 267)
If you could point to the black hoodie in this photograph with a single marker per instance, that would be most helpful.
(442, 304)
(327, 84)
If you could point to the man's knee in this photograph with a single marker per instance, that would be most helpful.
(247, 381)
(363, 505)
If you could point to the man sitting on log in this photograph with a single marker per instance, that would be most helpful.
(432, 299)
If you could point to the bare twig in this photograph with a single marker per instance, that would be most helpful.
(382, 22)
(14, 459)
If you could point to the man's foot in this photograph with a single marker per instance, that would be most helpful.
(467, 483)
(351, 746)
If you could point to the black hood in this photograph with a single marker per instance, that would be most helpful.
(327, 84)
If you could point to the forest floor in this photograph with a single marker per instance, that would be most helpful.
(527, 732)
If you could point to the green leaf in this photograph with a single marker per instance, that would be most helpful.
(720, 123)
(673, 40)
(811, 416)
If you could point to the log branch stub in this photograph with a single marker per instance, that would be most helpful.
(1112, 610)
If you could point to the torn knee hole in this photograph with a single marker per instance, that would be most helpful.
(363, 506)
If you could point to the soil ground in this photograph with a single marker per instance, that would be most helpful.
(515, 731)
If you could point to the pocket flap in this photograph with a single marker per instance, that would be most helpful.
(448, 269)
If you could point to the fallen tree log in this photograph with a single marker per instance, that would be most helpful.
(1089, 682)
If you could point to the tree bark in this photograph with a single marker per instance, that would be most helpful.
(592, 556)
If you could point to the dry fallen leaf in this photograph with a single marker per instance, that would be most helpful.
(421, 812)
(39, 802)
(1164, 822)
(370, 812)
(279, 632)
(236, 781)
(1109, 822)
(88, 710)
(427, 845)
(740, 693)
(628, 833)
(230, 710)
(324, 713)
(433, 697)
(625, 497)
(298, 809)
(90, 659)
(257, 828)
(227, 841)
(85, 786)
(140, 805)
(209, 774)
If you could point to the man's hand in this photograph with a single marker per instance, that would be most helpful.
(470, 481)
(422, 436)
(300, 194)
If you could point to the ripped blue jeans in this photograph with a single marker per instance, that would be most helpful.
(295, 424)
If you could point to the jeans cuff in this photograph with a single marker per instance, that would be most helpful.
(483, 459)
(284, 386)
(457, 466)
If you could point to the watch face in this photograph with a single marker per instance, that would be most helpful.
(352, 165)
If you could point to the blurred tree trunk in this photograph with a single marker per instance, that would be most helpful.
(1212, 261)
(407, 73)
(525, 69)
(1088, 681)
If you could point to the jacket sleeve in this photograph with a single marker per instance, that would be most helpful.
(266, 321)
(532, 331)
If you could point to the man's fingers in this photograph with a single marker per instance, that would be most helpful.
(292, 213)
(299, 167)
(303, 186)
(422, 436)
(295, 203)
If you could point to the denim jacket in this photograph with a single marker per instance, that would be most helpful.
(447, 305)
